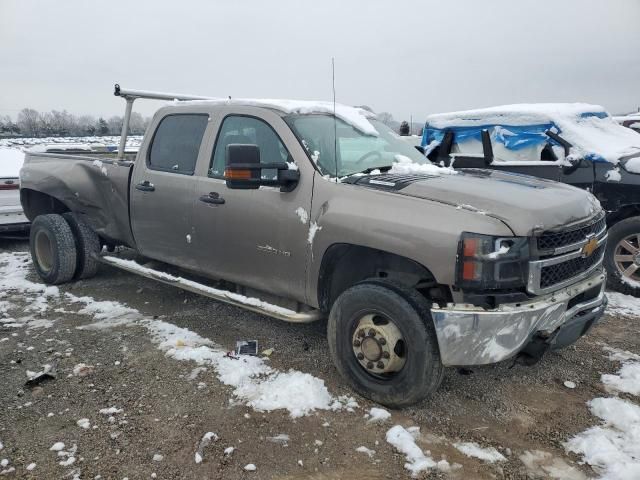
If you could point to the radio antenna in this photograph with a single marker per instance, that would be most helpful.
(335, 123)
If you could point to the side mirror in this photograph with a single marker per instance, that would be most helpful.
(243, 170)
(243, 166)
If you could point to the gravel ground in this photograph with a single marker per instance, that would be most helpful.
(165, 413)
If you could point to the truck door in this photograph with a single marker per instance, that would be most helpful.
(163, 189)
(256, 238)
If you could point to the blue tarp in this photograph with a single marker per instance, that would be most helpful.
(514, 138)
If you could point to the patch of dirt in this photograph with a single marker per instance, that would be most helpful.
(512, 408)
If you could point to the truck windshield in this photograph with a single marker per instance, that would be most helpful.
(356, 151)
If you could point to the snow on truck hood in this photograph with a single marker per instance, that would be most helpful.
(354, 116)
(587, 127)
(522, 202)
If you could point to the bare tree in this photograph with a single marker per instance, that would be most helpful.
(115, 125)
(386, 118)
(29, 122)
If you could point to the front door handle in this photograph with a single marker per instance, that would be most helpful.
(213, 197)
(145, 186)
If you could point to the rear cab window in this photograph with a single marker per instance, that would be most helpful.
(176, 143)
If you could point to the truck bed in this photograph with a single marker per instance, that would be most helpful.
(91, 183)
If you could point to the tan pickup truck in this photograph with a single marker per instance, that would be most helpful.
(307, 210)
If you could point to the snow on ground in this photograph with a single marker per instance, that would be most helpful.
(378, 415)
(613, 447)
(472, 449)
(545, 465)
(362, 449)
(623, 304)
(417, 461)
(255, 383)
(22, 143)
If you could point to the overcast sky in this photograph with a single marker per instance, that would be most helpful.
(411, 57)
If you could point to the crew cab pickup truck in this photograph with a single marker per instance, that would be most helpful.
(578, 144)
(303, 210)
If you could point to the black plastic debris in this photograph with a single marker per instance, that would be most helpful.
(247, 347)
(48, 373)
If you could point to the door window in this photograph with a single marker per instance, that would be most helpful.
(176, 143)
(252, 131)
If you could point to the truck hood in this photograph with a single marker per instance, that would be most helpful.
(526, 204)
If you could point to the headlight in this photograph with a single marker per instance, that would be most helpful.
(486, 262)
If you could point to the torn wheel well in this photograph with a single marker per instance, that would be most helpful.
(344, 265)
(36, 203)
(622, 214)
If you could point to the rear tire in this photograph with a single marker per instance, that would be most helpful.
(626, 230)
(421, 370)
(53, 248)
(87, 246)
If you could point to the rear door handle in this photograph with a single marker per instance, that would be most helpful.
(145, 186)
(213, 197)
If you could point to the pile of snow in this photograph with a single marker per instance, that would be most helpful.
(11, 161)
(404, 165)
(378, 415)
(417, 461)
(544, 465)
(358, 118)
(362, 449)
(472, 449)
(613, 447)
(623, 304)
(587, 127)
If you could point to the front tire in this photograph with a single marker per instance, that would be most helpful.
(622, 257)
(53, 249)
(398, 371)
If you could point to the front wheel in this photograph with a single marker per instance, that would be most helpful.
(622, 257)
(383, 343)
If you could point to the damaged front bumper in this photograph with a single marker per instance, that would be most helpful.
(469, 335)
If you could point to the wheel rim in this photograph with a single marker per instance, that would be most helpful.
(378, 345)
(44, 251)
(626, 256)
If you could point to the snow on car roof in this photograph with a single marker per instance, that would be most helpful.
(515, 115)
(589, 128)
(354, 116)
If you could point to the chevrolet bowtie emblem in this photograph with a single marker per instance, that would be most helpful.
(589, 247)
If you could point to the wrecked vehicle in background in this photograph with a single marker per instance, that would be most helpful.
(417, 267)
(578, 144)
(12, 219)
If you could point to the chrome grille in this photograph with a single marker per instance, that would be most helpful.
(560, 272)
(553, 240)
(565, 257)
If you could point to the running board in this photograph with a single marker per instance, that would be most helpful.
(248, 303)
